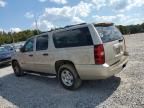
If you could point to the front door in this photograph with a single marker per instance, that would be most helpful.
(28, 55)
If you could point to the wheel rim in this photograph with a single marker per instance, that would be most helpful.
(67, 78)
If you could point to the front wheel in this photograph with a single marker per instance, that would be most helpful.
(17, 69)
(68, 77)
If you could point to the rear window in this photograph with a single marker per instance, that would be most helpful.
(72, 38)
(109, 33)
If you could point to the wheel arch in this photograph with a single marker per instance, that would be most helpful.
(62, 62)
(14, 60)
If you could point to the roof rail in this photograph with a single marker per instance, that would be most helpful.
(66, 27)
(74, 25)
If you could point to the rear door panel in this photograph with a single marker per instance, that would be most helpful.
(42, 62)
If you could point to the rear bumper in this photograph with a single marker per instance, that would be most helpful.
(92, 72)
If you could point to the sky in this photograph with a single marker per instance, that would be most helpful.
(18, 15)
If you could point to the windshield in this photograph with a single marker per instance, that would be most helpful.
(109, 33)
(2, 49)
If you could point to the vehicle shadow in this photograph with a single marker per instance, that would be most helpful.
(4, 65)
(33, 91)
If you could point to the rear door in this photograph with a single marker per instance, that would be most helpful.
(113, 41)
(41, 56)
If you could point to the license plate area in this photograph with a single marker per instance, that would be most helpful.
(118, 48)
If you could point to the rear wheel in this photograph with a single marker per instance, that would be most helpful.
(68, 77)
(17, 69)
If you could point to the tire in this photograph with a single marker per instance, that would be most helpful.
(68, 77)
(17, 69)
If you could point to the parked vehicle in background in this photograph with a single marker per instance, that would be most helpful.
(5, 56)
(18, 45)
(9, 47)
(74, 53)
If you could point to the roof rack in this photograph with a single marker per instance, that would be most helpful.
(66, 27)
(75, 25)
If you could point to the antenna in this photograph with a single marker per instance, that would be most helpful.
(13, 41)
(12, 36)
(36, 24)
(75, 13)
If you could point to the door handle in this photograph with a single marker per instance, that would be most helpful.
(31, 55)
(45, 54)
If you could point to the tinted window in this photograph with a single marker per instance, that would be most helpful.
(109, 33)
(72, 38)
(42, 43)
(29, 45)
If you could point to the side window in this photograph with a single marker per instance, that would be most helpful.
(42, 43)
(29, 45)
(73, 38)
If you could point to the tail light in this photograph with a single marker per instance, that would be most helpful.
(99, 54)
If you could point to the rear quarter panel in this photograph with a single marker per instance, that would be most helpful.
(78, 55)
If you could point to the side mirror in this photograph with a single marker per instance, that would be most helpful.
(22, 49)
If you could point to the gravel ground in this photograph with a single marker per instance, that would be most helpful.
(125, 90)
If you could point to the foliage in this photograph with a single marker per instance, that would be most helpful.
(131, 29)
(6, 38)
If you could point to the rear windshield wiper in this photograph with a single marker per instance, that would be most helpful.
(120, 40)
